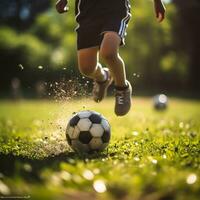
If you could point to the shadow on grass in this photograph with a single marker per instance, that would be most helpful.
(29, 169)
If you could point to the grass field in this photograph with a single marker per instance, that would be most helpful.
(152, 155)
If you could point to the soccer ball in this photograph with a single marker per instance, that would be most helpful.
(160, 102)
(88, 131)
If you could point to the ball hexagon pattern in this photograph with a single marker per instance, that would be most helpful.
(84, 124)
(97, 130)
(88, 131)
(85, 137)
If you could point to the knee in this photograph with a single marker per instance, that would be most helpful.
(108, 55)
(87, 70)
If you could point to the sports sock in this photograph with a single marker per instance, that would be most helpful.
(121, 87)
(103, 73)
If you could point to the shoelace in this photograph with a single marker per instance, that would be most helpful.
(120, 97)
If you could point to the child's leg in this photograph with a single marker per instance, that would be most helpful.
(123, 90)
(109, 53)
(88, 64)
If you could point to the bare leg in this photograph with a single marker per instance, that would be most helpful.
(109, 51)
(88, 64)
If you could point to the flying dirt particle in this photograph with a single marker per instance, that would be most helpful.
(64, 68)
(21, 66)
(66, 90)
(40, 67)
(63, 91)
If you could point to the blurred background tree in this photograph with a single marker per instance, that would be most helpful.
(38, 44)
(187, 32)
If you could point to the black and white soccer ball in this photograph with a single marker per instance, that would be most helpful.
(88, 131)
(160, 102)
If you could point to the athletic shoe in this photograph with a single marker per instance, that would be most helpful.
(100, 88)
(123, 100)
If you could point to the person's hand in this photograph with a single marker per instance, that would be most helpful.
(159, 10)
(61, 6)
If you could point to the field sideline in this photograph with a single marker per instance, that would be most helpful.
(152, 155)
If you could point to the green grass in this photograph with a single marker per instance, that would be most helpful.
(152, 155)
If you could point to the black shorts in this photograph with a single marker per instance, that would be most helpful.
(91, 28)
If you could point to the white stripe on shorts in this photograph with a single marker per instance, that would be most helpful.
(124, 20)
(79, 12)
